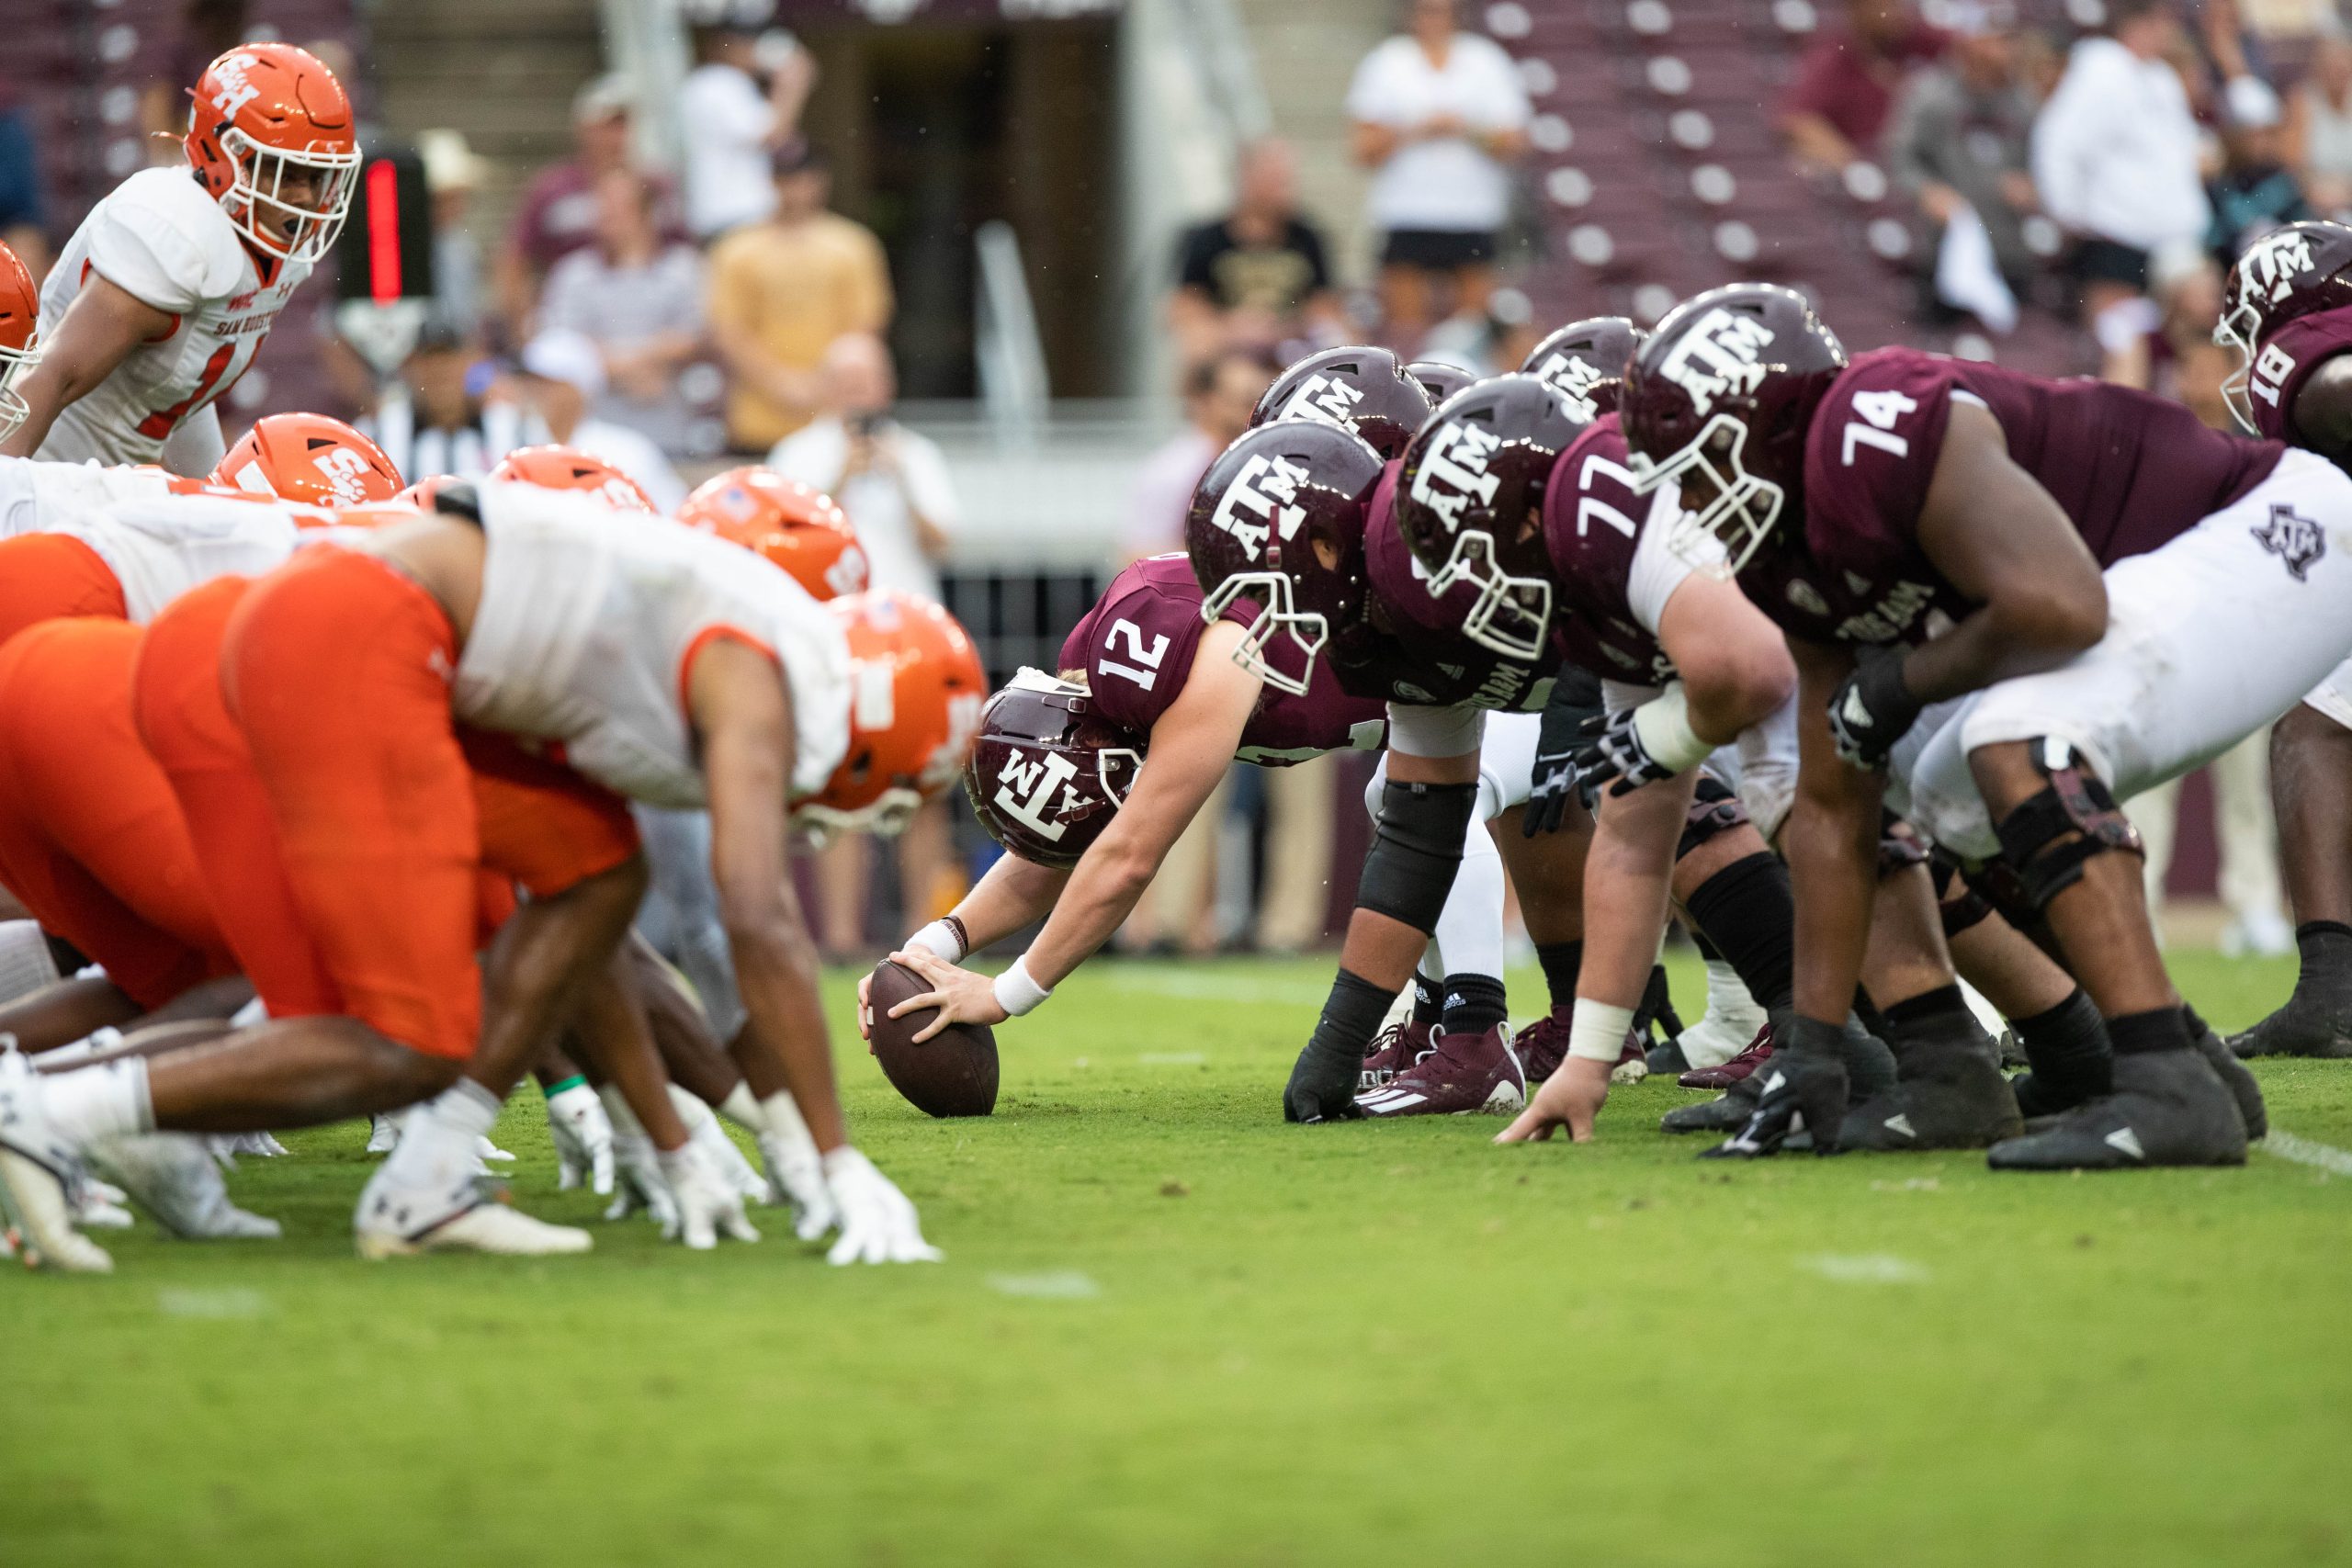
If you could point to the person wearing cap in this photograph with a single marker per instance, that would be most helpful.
(453, 171)
(559, 375)
(558, 213)
(740, 104)
(781, 292)
(638, 298)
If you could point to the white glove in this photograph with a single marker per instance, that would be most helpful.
(702, 1126)
(583, 1135)
(879, 1225)
(706, 1202)
(795, 1170)
(641, 1183)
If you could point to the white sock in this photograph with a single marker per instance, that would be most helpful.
(785, 1121)
(743, 1108)
(110, 1100)
(1725, 991)
(617, 1113)
(26, 961)
(90, 1044)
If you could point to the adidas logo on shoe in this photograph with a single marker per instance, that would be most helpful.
(1900, 1123)
(2124, 1139)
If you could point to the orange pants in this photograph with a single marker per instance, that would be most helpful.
(335, 670)
(90, 838)
(44, 576)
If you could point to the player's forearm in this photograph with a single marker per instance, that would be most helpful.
(1100, 894)
(1833, 863)
(776, 966)
(1627, 880)
(1999, 642)
(1011, 895)
(543, 956)
(53, 386)
(613, 1032)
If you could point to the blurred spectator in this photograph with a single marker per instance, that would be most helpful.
(452, 173)
(1959, 137)
(732, 123)
(207, 29)
(1219, 394)
(638, 298)
(447, 413)
(2115, 154)
(894, 485)
(22, 212)
(1439, 116)
(558, 213)
(559, 375)
(1256, 278)
(2255, 192)
(2319, 127)
(781, 292)
(1837, 110)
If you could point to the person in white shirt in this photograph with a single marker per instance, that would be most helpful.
(2115, 154)
(559, 374)
(161, 299)
(1439, 115)
(731, 124)
(894, 486)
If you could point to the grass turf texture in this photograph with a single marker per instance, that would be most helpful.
(1172, 1329)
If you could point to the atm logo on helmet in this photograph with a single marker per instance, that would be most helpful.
(1261, 499)
(1321, 398)
(1026, 788)
(1574, 380)
(1453, 471)
(2271, 266)
(1719, 355)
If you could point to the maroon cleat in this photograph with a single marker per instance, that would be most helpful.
(1543, 1046)
(1727, 1074)
(1394, 1049)
(1465, 1073)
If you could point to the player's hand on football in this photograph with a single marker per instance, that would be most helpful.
(1872, 709)
(879, 1224)
(583, 1135)
(796, 1171)
(866, 1007)
(1804, 1077)
(960, 996)
(1323, 1087)
(1611, 755)
(705, 1204)
(1570, 1097)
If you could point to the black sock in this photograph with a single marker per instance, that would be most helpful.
(1941, 1010)
(1429, 1000)
(2325, 948)
(1874, 1021)
(2067, 1043)
(2145, 1033)
(1351, 1014)
(1561, 960)
(1473, 1003)
(1748, 916)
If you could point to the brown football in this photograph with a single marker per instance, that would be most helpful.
(951, 1074)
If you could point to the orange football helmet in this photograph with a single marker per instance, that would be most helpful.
(308, 457)
(916, 690)
(568, 467)
(19, 337)
(266, 117)
(796, 526)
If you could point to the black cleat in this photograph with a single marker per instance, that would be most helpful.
(2041, 1096)
(1727, 1112)
(2234, 1077)
(1948, 1096)
(1666, 1056)
(2301, 1028)
(2168, 1108)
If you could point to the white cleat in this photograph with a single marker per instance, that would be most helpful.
(488, 1226)
(485, 1149)
(38, 1172)
(383, 1134)
(175, 1180)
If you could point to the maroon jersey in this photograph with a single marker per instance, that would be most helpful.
(1137, 646)
(1592, 525)
(1418, 655)
(2129, 470)
(2277, 377)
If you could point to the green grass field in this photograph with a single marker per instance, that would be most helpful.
(1171, 1329)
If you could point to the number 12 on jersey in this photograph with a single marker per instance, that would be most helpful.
(1149, 657)
(1882, 409)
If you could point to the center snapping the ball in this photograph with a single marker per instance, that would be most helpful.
(951, 1074)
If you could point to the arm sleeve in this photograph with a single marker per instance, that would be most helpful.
(1435, 732)
(1658, 571)
(1619, 695)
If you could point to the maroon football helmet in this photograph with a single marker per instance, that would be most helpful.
(2289, 273)
(1279, 519)
(1046, 775)
(1585, 362)
(1470, 501)
(1362, 390)
(1439, 379)
(1717, 402)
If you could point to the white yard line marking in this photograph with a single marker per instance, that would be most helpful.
(1173, 1058)
(222, 1304)
(1060, 1285)
(2308, 1151)
(1867, 1268)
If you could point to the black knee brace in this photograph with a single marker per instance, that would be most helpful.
(1714, 809)
(1960, 910)
(2049, 838)
(1415, 851)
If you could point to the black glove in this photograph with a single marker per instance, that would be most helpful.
(1323, 1086)
(1571, 703)
(1609, 749)
(1804, 1075)
(1872, 709)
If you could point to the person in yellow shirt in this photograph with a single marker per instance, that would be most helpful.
(781, 291)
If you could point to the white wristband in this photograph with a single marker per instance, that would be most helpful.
(1016, 993)
(1663, 724)
(1597, 1031)
(940, 937)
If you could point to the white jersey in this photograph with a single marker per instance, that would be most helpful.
(588, 622)
(160, 239)
(160, 547)
(37, 496)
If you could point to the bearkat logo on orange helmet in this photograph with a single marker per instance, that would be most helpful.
(568, 467)
(916, 692)
(266, 120)
(308, 457)
(798, 527)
